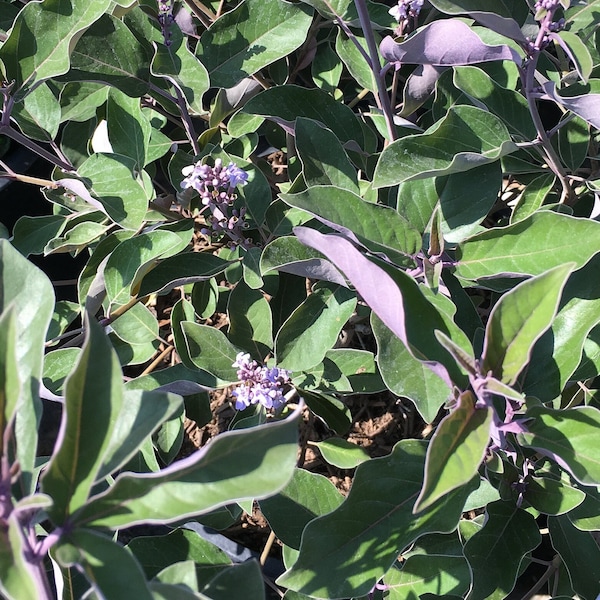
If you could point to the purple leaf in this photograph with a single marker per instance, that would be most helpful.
(419, 87)
(445, 43)
(587, 106)
(502, 25)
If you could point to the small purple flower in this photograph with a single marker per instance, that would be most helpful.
(405, 9)
(259, 385)
(166, 19)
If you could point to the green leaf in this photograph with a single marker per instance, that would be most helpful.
(182, 269)
(306, 497)
(341, 453)
(79, 100)
(443, 576)
(537, 244)
(111, 570)
(210, 350)
(94, 399)
(570, 437)
(586, 516)
(519, 319)
(250, 37)
(358, 367)
(313, 327)
(406, 376)
(465, 138)
(57, 366)
(180, 67)
(154, 553)
(137, 326)
(133, 258)
(30, 292)
(10, 384)
(332, 411)
(42, 35)
(169, 437)
(243, 580)
(577, 52)
(237, 465)
(509, 532)
(128, 127)
(580, 554)
(38, 115)
(455, 451)
(18, 579)
(250, 321)
(354, 61)
(284, 104)
(324, 160)
(532, 197)
(573, 142)
(109, 53)
(141, 413)
(113, 183)
(379, 228)
(31, 234)
(552, 497)
(76, 238)
(326, 68)
(251, 268)
(337, 557)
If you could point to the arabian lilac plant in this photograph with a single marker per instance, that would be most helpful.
(317, 208)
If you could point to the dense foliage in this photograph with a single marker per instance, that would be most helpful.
(396, 198)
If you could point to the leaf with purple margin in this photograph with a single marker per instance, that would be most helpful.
(445, 43)
(455, 451)
(235, 466)
(343, 553)
(569, 437)
(519, 319)
(576, 50)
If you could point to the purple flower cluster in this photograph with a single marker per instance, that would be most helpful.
(166, 19)
(216, 187)
(260, 385)
(406, 9)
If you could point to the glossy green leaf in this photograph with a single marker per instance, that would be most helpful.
(467, 137)
(128, 127)
(354, 61)
(38, 115)
(306, 497)
(533, 197)
(179, 66)
(406, 376)
(569, 437)
(94, 399)
(39, 43)
(324, 160)
(18, 579)
(134, 258)
(156, 552)
(111, 570)
(573, 142)
(552, 497)
(250, 37)
(337, 557)
(137, 326)
(79, 100)
(10, 384)
(341, 453)
(443, 576)
(210, 350)
(113, 183)
(251, 268)
(519, 319)
(76, 238)
(359, 369)
(509, 105)
(31, 234)
(539, 243)
(586, 516)
(237, 465)
(313, 327)
(250, 321)
(32, 295)
(109, 53)
(557, 353)
(509, 532)
(284, 104)
(580, 554)
(326, 68)
(455, 450)
(379, 228)
(332, 411)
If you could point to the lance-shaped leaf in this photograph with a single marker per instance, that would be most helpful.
(94, 396)
(541, 242)
(570, 437)
(577, 51)
(467, 137)
(509, 533)
(313, 328)
(519, 319)
(379, 228)
(39, 43)
(10, 384)
(235, 466)
(445, 43)
(455, 451)
(344, 553)
(250, 37)
(111, 570)
(30, 292)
